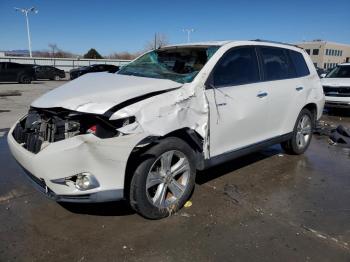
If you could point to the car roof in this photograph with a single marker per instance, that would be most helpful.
(207, 43)
(241, 42)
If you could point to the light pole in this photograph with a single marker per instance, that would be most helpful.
(25, 11)
(188, 31)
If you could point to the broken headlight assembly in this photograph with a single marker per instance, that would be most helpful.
(107, 128)
(43, 126)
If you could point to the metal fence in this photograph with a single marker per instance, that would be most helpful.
(65, 64)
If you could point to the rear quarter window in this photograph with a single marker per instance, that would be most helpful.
(299, 63)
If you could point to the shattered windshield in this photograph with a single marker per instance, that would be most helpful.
(179, 64)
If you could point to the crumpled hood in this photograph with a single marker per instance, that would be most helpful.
(97, 92)
(335, 82)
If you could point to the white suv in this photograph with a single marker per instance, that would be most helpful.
(142, 133)
(336, 87)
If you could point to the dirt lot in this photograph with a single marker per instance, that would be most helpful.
(266, 206)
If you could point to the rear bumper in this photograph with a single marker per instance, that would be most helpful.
(105, 159)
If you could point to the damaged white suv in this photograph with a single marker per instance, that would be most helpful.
(142, 133)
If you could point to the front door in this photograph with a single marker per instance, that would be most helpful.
(238, 104)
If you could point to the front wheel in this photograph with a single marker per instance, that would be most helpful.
(163, 182)
(302, 134)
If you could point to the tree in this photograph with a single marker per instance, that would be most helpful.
(93, 54)
(159, 41)
(53, 48)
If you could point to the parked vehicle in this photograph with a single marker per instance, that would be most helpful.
(142, 134)
(74, 73)
(320, 71)
(49, 72)
(336, 87)
(14, 72)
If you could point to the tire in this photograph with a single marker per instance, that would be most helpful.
(56, 78)
(302, 134)
(25, 79)
(156, 191)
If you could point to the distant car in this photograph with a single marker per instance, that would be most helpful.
(14, 72)
(74, 73)
(49, 72)
(336, 86)
(326, 72)
(320, 71)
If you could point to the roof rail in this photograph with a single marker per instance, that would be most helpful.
(273, 42)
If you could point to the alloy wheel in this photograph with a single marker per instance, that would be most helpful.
(304, 130)
(168, 179)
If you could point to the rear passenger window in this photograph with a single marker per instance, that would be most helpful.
(299, 63)
(237, 67)
(276, 64)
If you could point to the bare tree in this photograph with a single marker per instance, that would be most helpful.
(53, 48)
(58, 54)
(159, 41)
(124, 55)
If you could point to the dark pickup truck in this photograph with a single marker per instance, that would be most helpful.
(14, 72)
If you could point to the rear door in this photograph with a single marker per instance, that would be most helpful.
(40, 72)
(50, 72)
(238, 104)
(287, 92)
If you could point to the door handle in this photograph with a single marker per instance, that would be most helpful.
(300, 88)
(262, 94)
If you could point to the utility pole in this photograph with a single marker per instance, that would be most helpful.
(25, 11)
(188, 31)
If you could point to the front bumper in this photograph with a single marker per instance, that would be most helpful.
(106, 159)
(337, 102)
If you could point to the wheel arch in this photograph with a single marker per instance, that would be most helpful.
(188, 135)
(312, 107)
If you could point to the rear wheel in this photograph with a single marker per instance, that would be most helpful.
(57, 77)
(25, 79)
(302, 134)
(163, 182)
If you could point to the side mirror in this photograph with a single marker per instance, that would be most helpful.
(323, 75)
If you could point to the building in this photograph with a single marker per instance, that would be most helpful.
(326, 54)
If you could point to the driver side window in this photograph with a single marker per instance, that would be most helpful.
(238, 66)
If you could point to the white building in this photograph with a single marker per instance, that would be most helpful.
(326, 54)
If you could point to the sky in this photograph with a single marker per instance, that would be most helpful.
(127, 25)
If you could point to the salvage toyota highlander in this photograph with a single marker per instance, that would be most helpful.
(142, 133)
